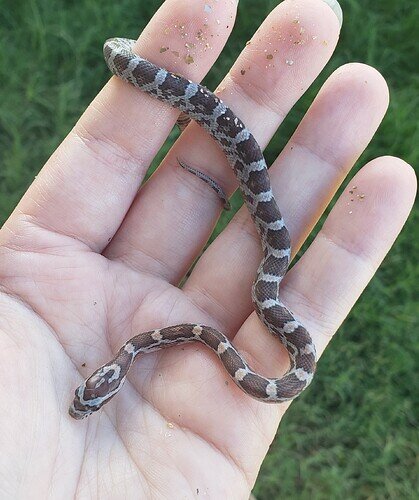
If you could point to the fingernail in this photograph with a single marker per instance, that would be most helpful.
(337, 9)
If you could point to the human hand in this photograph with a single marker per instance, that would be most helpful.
(86, 263)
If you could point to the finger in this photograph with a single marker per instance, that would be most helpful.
(88, 184)
(181, 207)
(334, 132)
(323, 286)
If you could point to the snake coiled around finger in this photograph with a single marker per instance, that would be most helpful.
(246, 159)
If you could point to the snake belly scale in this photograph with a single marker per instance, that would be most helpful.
(249, 166)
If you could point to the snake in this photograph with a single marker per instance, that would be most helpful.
(245, 157)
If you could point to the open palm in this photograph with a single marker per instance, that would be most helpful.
(86, 262)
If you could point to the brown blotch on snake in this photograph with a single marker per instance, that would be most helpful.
(246, 159)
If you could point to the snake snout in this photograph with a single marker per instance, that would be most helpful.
(78, 414)
(78, 409)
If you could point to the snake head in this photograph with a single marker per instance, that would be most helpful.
(78, 408)
(97, 390)
(84, 403)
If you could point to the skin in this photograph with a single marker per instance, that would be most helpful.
(86, 262)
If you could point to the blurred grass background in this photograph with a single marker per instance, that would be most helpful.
(354, 433)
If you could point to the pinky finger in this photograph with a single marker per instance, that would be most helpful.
(327, 281)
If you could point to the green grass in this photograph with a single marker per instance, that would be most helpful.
(354, 433)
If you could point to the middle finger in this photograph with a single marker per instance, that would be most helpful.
(171, 219)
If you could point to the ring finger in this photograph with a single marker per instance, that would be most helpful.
(334, 132)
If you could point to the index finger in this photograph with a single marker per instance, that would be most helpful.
(88, 184)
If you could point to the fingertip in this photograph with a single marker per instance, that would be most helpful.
(394, 180)
(185, 36)
(363, 85)
(337, 9)
(373, 208)
(319, 12)
(344, 117)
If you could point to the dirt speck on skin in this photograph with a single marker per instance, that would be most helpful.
(355, 195)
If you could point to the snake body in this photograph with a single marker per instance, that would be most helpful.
(249, 166)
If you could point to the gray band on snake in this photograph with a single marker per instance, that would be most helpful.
(248, 163)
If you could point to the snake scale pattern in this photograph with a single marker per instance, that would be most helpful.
(248, 163)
